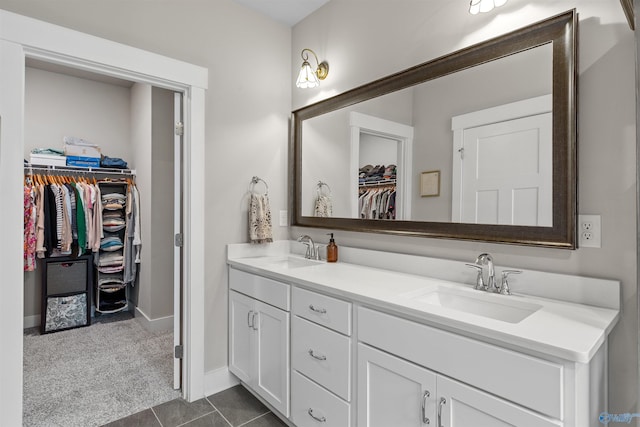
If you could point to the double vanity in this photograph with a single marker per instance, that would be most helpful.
(385, 339)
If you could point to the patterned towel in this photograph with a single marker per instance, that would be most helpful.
(323, 207)
(259, 219)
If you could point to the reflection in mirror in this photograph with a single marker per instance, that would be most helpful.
(329, 152)
(496, 120)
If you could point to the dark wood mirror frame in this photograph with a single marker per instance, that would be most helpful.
(559, 30)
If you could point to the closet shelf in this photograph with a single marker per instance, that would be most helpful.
(76, 169)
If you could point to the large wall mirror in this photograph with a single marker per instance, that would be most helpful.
(479, 145)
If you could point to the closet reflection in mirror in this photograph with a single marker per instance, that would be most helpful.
(486, 128)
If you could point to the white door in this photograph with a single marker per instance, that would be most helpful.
(503, 165)
(459, 405)
(177, 249)
(506, 173)
(272, 352)
(394, 392)
(241, 335)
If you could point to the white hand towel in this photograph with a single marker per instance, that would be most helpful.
(260, 219)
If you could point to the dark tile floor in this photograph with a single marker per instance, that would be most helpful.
(230, 408)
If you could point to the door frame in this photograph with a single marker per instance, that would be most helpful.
(363, 123)
(177, 230)
(21, 38)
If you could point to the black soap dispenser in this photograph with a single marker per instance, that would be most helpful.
(332, 250)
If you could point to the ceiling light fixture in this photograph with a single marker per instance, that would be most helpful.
(308, 77)
(477, 6)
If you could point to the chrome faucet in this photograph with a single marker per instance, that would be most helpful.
(490, 284)
(312, 251)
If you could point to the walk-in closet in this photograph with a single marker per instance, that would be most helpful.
(112, 352)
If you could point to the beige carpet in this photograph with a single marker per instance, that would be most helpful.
(93, 375)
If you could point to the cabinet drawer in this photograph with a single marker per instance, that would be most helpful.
(324, 310)
(322, 355)
(525, 380)
(267, 290)
(312, 406)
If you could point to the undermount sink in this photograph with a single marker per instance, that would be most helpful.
(498, 307)
(292, 262)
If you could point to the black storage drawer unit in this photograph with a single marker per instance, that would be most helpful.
(64, 277)
(66, 292)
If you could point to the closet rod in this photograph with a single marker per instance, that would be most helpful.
(74, 169)
(377, 183)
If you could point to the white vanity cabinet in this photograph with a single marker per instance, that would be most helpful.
(392, 391)
(468, 382)
(321, 360)
(364, 353)
(259, 336)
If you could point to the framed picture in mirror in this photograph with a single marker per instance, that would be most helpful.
(430, 184)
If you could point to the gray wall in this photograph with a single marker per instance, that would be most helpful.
(361, 50)
(58, 105)
(246, 117)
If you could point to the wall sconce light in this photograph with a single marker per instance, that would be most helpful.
(477, 6)
(308, 77)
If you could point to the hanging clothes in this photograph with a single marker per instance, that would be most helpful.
(30, 222)
(64, 216)
(133, 241)
(377, 202)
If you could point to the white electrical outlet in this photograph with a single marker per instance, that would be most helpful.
(284, 218)
(589, 231)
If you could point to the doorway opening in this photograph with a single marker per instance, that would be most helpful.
(136, 122)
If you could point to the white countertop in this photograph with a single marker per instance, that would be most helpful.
(560, 329)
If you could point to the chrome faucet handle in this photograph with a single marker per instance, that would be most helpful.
(504, 283)
(479, 279)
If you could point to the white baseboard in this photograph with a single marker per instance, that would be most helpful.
(218, 380)
(31, 321)
(155, 325)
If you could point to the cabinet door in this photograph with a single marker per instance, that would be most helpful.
(241, 335)
(462, 406)
(393, 392)
(272, 345)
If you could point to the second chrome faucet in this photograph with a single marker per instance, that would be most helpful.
(489, 284)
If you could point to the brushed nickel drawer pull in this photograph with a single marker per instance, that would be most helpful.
(443, 401)
(315, 356)
(317, 310)
(425, 396)
(253, 321)
(249, 318)
(320, 419)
